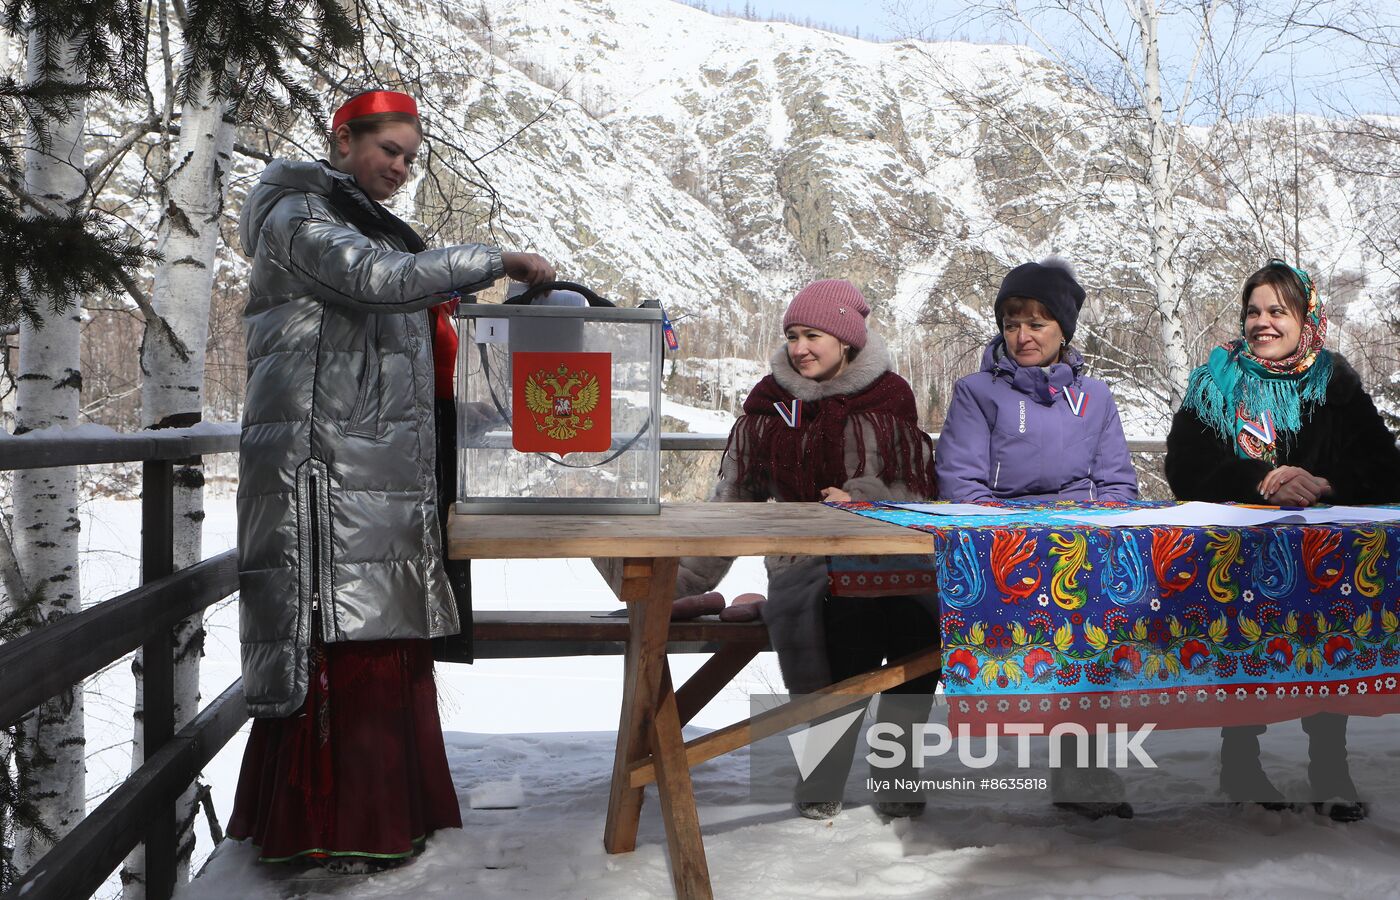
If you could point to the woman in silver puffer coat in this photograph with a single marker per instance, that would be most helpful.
(340, 552)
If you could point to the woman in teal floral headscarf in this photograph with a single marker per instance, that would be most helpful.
(1273, 417)
(1255, 387)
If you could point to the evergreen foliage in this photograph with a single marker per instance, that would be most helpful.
(112, 54)
(29, 108)
(239, 49)
(60, 258)
(62, 254)
(57, 255)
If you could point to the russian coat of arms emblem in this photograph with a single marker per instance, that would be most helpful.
(562, 402)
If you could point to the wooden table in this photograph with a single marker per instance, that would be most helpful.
(645, 551)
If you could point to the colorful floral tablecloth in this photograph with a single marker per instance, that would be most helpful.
(1046, 620)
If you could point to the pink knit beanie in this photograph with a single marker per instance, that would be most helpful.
(834, 306)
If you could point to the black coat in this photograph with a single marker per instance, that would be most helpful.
(1344, 440)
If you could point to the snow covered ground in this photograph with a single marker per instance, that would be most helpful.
(551, 846)
(540, 734)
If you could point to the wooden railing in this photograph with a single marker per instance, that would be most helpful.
(39, 665)
(44, 662)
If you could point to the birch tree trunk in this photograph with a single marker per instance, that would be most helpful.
(1166, 280)
(51, 739)
(14, 589)
(172, 394)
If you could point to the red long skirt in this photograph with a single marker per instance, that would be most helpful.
(361, 770)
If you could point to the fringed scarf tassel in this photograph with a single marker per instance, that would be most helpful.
(801, 462)
(1230, 386)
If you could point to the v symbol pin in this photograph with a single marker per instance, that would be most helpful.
(1075, 399)
(1263, 430)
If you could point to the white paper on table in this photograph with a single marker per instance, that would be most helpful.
(956, 509)
(1196, 515)
(1349, 515)
(1191, 515)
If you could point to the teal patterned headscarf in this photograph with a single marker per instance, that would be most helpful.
(1253, 402)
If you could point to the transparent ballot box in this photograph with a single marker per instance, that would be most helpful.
(558, 409)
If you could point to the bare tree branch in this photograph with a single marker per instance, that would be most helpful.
(153, 318)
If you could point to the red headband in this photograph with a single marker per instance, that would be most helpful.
(368, 104)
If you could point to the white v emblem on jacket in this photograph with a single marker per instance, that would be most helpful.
(1075, 399)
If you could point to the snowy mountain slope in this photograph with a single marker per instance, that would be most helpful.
(755, 156)
(654, 150)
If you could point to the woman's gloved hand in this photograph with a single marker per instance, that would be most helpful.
(745, 608)
(697, 605)
(530, 268)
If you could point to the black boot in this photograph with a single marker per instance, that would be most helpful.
(1334, 794)
(819, 795)
(818, 809)
(1090, 791)
(1242, 778)
(905, 711)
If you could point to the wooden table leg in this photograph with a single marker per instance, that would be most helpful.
(641, 682)
(649, 722)
(690, 873)
(711, 678)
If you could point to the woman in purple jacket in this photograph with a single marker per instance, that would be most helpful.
(1031, 426)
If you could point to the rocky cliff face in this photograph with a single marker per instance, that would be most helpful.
(720, 164)
(653, 150)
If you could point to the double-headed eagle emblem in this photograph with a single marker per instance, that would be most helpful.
(562, 403)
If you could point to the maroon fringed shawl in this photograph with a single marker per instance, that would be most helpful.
(799, 461)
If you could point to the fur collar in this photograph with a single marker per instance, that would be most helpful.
(872, 362)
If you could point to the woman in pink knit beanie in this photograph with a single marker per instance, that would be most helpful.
(831, 422)
(825, 328)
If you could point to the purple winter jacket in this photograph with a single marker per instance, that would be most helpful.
(1012, 433)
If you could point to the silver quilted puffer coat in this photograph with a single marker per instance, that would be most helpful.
(337, 500)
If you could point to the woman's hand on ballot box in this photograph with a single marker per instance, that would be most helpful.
(530, 268)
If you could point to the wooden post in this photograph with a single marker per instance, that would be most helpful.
(650, 728)
(690, 873)
(158, 668)
(646, 649)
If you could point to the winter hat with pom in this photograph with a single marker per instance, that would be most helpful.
(834, 306)
(1051, 281)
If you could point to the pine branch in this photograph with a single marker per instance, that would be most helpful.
(112, 53)
(60, 257)
(235, 52)
(28, 108)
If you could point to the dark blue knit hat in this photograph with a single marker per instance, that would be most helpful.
(1051, 281)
